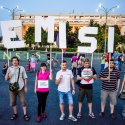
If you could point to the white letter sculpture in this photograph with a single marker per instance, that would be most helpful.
(87, 39)
(7, 33)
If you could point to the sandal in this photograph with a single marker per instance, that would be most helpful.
(26, 117)
(14, 116)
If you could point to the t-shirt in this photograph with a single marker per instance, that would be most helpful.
(42, 76)
(86, 74)
(115, 56)
(112, 84)
(33, 59)
(64, 85)
(14, 75)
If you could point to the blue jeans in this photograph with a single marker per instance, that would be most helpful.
(120, 65)
(68, 95)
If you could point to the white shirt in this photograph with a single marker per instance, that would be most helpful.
(14, 75)
(64, 85)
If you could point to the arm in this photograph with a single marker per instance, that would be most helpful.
(104, 79)
(51, 76)
(73, 86)
(59, 79)
(7, 76)
(79, 77)
(36, 80)
(118, 85)
(123, 83)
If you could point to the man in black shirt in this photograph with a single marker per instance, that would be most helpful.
(110, 86)
(86, 75)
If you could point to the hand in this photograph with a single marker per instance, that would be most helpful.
(73, 92)
(108, 78)
(61, 76)
(25, 89)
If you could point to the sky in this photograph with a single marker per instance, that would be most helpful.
(59, 7)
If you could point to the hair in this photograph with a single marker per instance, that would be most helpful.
(14, 57)
(112, 60)
(43, 64)
(86, 60)
(64, 61)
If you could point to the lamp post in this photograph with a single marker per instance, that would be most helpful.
(12, 11)
(106, 11)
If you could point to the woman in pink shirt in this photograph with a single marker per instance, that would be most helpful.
(42, 89)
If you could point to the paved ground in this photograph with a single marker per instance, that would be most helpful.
(52, 108)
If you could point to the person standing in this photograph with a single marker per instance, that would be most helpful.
(17, 74)
(64, 78)
(33, 62)
(42, 89)
(86, 75)
(123, 87)
(110, 78)
(103, 61)
(74, 60)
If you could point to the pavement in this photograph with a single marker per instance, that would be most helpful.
(52, 109)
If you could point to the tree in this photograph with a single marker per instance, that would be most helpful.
(29, 36)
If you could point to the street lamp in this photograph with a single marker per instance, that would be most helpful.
(12, 11)
(106, 11)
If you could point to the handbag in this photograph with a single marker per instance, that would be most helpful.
(15, 86)
(122, 94)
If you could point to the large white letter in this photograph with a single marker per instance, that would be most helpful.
(62, 35)
(44, 23)
(87, 39)
(111, 39)
(7, 33)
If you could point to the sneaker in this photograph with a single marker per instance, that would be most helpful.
(79, 115)
(102, 114)
(62, 117)
(44, 115)
(91, 115)
(72, 118)
(38, 118)
(112, 115)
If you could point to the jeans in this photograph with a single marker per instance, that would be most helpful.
(120, 65)
(67, 94)
(102, 67)
(123, 111)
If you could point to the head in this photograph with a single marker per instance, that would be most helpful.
(111, 63)
(15, 61)
(63, 65)
(33, 55)
(86, 63)
(43, 67)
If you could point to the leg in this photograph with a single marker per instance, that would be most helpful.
(39, 98)
(104, 96)
(80, 99)
(44, 98)
(113, 101)
(13, 96)
(123, 111)
(89, 94)
(61, 101)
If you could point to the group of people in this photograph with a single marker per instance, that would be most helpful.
(119, 59)
(86, 75)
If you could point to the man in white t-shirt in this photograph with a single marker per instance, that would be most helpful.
(64, 78)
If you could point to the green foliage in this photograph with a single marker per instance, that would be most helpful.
(29, 36)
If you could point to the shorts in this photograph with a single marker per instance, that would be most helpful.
(85, 92)
(112, 97)
(13, 97)
(68, 95)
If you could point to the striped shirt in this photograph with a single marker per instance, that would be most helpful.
(112, 84)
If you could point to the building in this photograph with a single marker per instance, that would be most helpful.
(75, 20)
